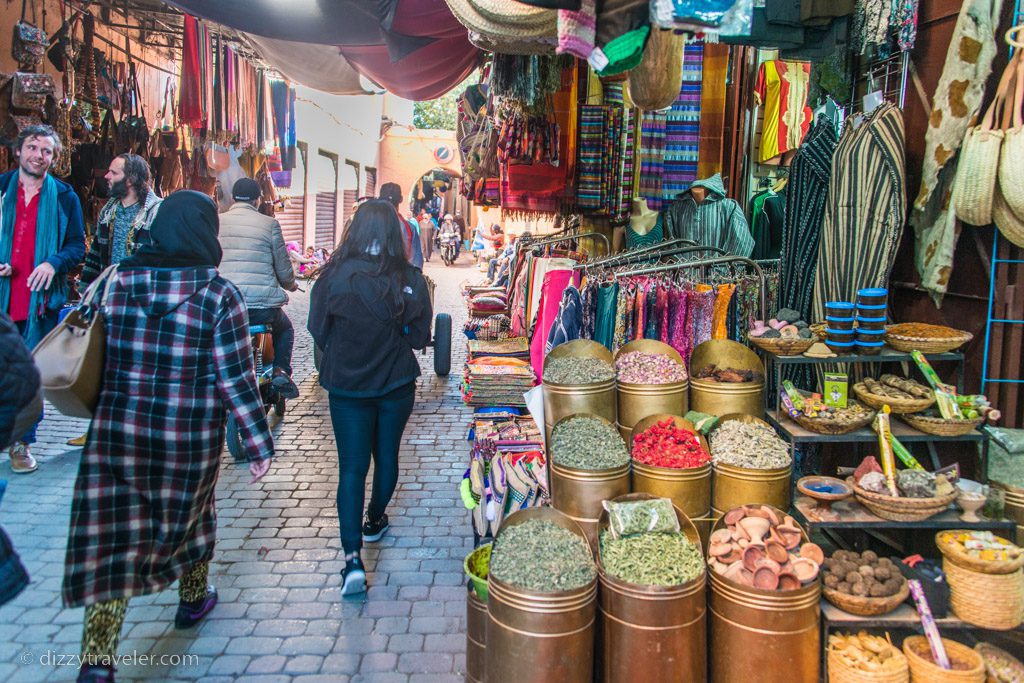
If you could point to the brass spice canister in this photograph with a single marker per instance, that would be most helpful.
(562, 400)
(637, 401)
(476, 637)
(773, 633)
(733, 486)
(580, 493)
(653, 633)
(535, 636)
(724, 398)
(689, 489)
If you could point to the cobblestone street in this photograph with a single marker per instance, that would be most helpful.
(280, 616)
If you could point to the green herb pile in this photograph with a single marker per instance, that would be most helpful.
(651, 559)
(587, 443)
(542, 556)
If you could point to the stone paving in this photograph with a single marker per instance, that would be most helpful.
(281, 616)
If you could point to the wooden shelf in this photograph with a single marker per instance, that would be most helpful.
(887, 355)
(901, 430)
(852, 515)
(904, 616)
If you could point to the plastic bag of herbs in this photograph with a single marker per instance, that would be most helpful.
(643, 545)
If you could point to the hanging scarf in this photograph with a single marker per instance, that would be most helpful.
(48, 241)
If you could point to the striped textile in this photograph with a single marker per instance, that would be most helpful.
(624, 192)
(866, 209)
(652, 158)
(682, 127)
(591, 147)
(714, 73)
(806, 196)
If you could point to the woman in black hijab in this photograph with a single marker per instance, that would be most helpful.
(178, 360)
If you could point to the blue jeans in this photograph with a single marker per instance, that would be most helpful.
(46, 323)
(365, 427)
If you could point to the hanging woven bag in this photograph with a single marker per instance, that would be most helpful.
(655, 83)
(1011, 156)
(978, 169)
(1008, 223)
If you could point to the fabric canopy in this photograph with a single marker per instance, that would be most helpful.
(413, 48)
(321, 67)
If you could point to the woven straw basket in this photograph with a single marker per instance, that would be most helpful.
(923, 671)
(898, 406)
(865, 606)
(783, 346)
(1006, 220)
(841, 672)
(902, 509)
(941, 427)
(992, 601)
(956, 554)
(1011, 157)
(655, 83)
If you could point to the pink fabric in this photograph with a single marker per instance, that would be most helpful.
(555, 282)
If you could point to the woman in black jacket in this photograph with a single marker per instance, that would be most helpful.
(368, 312)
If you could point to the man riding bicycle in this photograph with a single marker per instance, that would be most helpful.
(256, 261)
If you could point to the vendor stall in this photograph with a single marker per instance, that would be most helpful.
(738, 362)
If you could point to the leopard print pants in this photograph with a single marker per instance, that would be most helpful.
(103, 620)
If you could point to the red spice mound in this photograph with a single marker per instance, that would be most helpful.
(663, 444)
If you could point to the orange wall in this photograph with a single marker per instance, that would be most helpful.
(405, 155)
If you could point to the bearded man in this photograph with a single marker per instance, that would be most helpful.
(123, 223)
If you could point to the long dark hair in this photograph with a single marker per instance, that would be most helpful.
(375, 235)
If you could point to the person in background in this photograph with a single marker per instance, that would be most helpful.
(392, 194)
(369, 311)
(298, 260)
(178, 362)
(461, 223)
(427, 226)
(500, 267)
(123, 222)
(256, 261)
(448, 225)
(42, 237)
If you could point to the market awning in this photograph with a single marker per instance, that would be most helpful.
(413, 48)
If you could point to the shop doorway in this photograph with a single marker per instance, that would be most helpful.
(293, 217)
(326, 200)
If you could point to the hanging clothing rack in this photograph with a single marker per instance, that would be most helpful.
(638, 258)
(667, 244)
(704, 263)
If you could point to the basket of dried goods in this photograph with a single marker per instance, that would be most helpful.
(1000, 666)
(910, 496)
(832, 420)
(980, 551)
(925, 338)
(966, 665)
(819, 331)
(863, 583)
(787, 334)
(931, 422)
(900, 394)
(864, 658)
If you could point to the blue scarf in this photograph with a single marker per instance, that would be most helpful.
(50, 229)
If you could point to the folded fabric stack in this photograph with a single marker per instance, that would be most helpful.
(513, 347)
(508, 433)
(498, 483)
(489, 303)
(487, 384)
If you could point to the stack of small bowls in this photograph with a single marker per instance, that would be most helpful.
(871, 305)
(839, 318)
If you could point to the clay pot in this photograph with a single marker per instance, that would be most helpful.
(721, 536)
(788, 581)
(806, 570)
(812, 551)
(751, 554)
(719, 550)
(732, 571)
(757, 512)
(790, 536)
(766, 578)
(735, 555)
(735, 515)
(755, 527)
(772, 517)
(775, 550)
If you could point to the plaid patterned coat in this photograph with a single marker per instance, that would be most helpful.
(178, 359)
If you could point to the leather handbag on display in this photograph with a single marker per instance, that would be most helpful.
(29, 43)
(71, 358)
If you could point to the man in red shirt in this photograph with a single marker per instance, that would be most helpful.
(42, 237)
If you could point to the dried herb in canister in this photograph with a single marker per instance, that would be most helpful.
(639, 367)
(750, 445)
(542, 556)
(655, 515)
(587, 443)
(573, 371)
(651, 559)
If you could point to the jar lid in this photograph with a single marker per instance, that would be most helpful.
(872, 307)
(873, 291)
(843, 305)
(870, 344)
(862, 319)
(829, 330)
(839, 319)
(843, 344)
(872, 332)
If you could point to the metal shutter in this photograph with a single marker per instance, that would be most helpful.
(293, 219)
(326, 215)
(371, 183)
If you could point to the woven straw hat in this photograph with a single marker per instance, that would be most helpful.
(505, 21)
